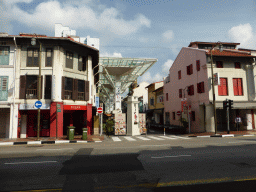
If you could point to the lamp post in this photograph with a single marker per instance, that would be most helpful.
(213, 91)
(33, 43)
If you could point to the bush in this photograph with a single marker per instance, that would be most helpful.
(108, 126)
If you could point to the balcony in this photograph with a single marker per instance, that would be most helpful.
(31, 94)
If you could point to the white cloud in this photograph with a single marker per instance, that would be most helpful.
(105, 54)
(46, 14)
(17, 1)
(167, 65)
(147, 77)
(244, 35)
(168, 35)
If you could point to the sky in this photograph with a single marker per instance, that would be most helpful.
(138, 28)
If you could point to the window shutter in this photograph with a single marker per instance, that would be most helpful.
(23, 87)
(192, 89)
(202, 87)
(219, 64)
(237, 65)
(87, 90)
(224, 87)
(240, 87)
(188, 72)
(235, 87)
(220, 87)
(198, 88)
(198, 65)
(191, 69)
(75, 89)
(179, 74)
(63, 88)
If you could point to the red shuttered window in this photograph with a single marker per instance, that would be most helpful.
(191, 90)
(166, 96)
(200, 87)
(179, 74)
(223, 88)
(180, 93)
(198, 65)
(237, 86)
(190, 69)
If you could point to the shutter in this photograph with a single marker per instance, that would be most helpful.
(188, 73)
(198, 87)
(224, 87)
(191, 69)
(63, 88)
(23, 87)
(87, 90)
(192, 88)
(202, 87)
(240, 87)
(235, 86)
(198, 65)
(41, 96)
(75, 89)
(220, 87)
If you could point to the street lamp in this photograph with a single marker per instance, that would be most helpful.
(220, 46)
(33, 43)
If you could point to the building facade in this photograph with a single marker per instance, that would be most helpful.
(188, 87)
(68, 78)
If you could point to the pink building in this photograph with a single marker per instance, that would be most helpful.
(189, 85)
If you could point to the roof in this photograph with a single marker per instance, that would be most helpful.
(229, 53)
(153, 84)
(159, 89)
(212, 43)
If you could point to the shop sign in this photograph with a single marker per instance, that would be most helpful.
(33, 107)
(75, 107)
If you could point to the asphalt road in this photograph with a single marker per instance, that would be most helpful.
(176, 165)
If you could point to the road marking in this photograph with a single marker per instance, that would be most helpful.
(204, 136)
(155, 145)
(6, 143)
(232, 135)
(31, 162)
(62, 141)
(165, 137)
(156, 138)
(143, 138)
(179, 137)
(171, 156)
(130, 139)
(116, 139)
(54, 149)
(33, 142)
(248, 135)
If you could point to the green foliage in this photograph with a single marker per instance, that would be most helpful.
(184, 122)
(108, 126)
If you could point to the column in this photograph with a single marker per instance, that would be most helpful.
(209, 118)
(250, 82)
(53, 119)
(89, 119)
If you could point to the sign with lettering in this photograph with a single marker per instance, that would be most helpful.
(75, 107)
(33, 107)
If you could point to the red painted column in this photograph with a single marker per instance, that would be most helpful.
(71, 120)
(89, 119)
(53, 120)
(19, 124)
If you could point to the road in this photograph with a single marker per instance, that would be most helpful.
(146, 165)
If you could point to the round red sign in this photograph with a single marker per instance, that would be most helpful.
(178, 112)
(99, 110)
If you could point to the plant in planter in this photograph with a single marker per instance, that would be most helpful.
(108, 126)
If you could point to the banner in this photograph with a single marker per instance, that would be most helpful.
(142, 123)
(120, 124)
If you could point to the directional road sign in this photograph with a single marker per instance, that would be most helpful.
(38, 104)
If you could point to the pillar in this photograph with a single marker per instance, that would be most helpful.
(53, 120)
(89, 119)
(133, 116)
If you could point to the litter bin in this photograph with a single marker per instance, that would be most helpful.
(71, 132)
(84, 136)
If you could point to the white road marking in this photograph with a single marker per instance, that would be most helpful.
(143, 138)
(33, 142)
(171, 156)
(165, 137)
(54, 149)
(116, 139)
(6, 143)
(156, 138)
(204, 136)
(155, 145)
(31, 162)
(242, 142)
(130, 139)
(248, 135)
(232, 135)
(179, 137)
(61, 141)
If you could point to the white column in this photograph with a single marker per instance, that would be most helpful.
(250, 82)
(23, 131)
(13, 125)
(209, 118)
(133, 116)
(90, 78)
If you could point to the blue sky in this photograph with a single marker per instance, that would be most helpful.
(138, 28)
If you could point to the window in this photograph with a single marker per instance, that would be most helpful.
(219, 64)
(48, 87)
(173, 115)
(180, 93)
(222, 88)
(193, 115)
(179, 74)
(69, 60)
(68, 88)
(204, 46)
(237, 86)
(48, 58)
(32, 58)
(81, 63)
(200, 87)
(198, 65)
(167, 118)
(237, 65)
(160, 99)
(166, 97)
(190, 69)
(4, 55)
(4, 88)
(81, 90)
(191, 90)
(152, 101)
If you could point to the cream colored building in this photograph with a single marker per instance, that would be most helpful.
(190, 80)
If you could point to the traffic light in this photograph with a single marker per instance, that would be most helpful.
(225, 104)
(230, 102)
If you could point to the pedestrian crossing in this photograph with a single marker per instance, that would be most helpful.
(146, 138)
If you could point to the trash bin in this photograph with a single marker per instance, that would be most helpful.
(84, 136)
(71, 132)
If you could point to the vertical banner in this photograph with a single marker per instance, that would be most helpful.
(216, 79)
(184, 105)
(120, 124)
(97, 102)
(142, 124)
(118, 95)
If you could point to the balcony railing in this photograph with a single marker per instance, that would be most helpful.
(68, 95)
(80, 96)
(31, 94)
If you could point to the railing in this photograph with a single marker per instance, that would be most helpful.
(31, 94)
(80, 96)
(68, 95)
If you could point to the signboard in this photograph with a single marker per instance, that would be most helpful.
(75, 107)
(120, 124)
(189, 109)
(178, 113)
(32, 106)
(97, 102)
(216, 79)
(142, 123)
(99, 110)
(184, 105)
(38, 104)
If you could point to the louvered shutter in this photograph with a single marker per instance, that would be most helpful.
(192, 89)
(240, 87)
(188, 72)
(202, 87)
(23, 87)
(87, 90)
(63, 89)
(235, 87)
(191, 69)
(75, 89)
(224, 87)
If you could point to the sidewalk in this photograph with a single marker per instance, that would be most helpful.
(50, 140)
(223, 134)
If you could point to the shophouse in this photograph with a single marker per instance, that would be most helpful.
(68, 76)
(188, 87)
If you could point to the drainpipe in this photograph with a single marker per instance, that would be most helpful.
(14, 77)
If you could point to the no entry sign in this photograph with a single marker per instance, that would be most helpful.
(99, 110)
(178, 113)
